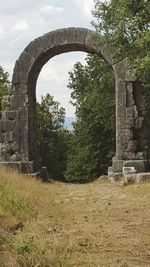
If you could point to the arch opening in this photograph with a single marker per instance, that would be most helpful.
(18, 133)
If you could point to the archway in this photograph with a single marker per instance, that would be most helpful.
(18, 124)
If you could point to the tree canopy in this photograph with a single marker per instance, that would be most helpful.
(4, 89)
(93, 95)
(52, 138)
(125, 24)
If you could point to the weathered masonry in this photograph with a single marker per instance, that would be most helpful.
(18, 123)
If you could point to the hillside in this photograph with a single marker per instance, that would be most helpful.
(68, 123)
(57, 224)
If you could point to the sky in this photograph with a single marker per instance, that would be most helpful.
(21, 21)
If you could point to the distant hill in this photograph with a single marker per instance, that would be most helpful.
(68, 123)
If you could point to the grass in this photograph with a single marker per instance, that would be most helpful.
(65, 225)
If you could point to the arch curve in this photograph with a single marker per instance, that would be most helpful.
(18, 124)
(43, 48)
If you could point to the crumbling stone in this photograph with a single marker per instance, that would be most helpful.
(18, 123)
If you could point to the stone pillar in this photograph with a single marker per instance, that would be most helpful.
(132, 122)
(17, 142)
(18, 123)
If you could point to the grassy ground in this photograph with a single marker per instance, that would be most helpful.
(56, 224)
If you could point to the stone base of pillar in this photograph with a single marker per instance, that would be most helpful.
(139, 165)
(25, 167)
(116, 171)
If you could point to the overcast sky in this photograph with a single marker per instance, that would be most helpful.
(23, 20)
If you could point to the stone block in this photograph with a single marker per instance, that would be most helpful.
(7, 126)
(129, 155)
(93, 43)
(139, 165)
(19, 101)
(129, 95)
(129, 117)
(33, 50)
(132, 146)
(121, 99)
(16, 137)
(11, 115)
(110, 174)
(113, 176)
(31, 166)
(20, 77)
(25, 62)
(59, 38)
(128, 170)
(140, 155)
(15, 126)
(117, 165)
(143, 177)
(43, 42)
(27, 167)
(117, 176)
(76, 36)
(54, 39)
(16, 157)
(19, 89)
(22, 68)
(24, 125)
(15, 78)
(9, 137)
(2, 126)
(10, 125)
(1, 137)
(135, 110)
(24, 143)
(124, 135)
(81, 35)
(139, 122)
(7, 150)
(23, 112)
(130, 75)
(12, 165)
(120, 69)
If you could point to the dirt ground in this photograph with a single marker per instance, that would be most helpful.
(88, 225)
(107, 225)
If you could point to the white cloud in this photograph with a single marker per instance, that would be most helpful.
(54, 76)
(1, 31)
(22, 21)
(87, 6)
(56, 72)
(21, 25)
(51, 10)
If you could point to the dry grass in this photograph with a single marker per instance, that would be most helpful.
(90, 225)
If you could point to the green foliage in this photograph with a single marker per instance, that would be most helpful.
(52, 139)
(93, 95)
(125, 24)
(4, 89)
(12, 203)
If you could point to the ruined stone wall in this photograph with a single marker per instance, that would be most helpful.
(133, 127)
(18, 123)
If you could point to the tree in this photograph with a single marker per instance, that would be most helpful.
(52, 139)
(4, 89)
(125, 24)
(93, 143)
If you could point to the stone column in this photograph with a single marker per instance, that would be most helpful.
(17, 142)
(130, 121)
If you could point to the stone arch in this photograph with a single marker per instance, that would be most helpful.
(18, 134)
